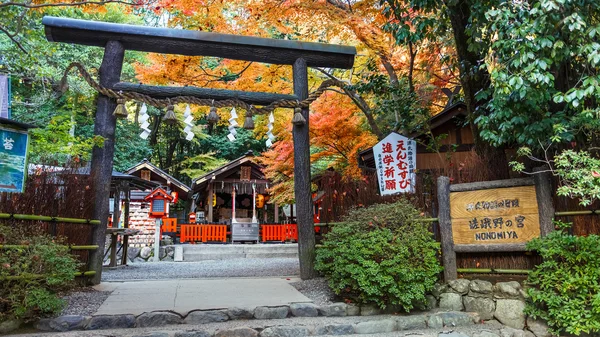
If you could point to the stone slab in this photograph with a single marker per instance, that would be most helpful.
(183, 296)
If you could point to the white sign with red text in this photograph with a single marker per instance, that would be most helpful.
(396, 161)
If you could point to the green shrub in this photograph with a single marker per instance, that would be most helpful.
(565, 287)
(30, 277)
(381, 255)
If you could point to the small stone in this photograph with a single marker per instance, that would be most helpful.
(237, 332)
(170, 251)
(431, 302)
(162, 253)
(43, 324)
(335, 309)
(509, 290)
(111, 322)
(452, 334)
(208, 316)
(68, 323)
(352, 310)
(510, 332)
(435, 322)
(481, 287)
(538, 327)
(439, 289)
(150, 319)
(285, 331)
(335, 329)
(12, 325)
(411, 322)
(454, 319)
(451, 302)
(510, 312)
(145, 253)
(527, 333)
(369, 310)
(485, 333)
(271, 312)
(460, 286)
(371, 327)
(153, 334)
(240, 313)
(485, 307)
(304, 310)
(195, 333)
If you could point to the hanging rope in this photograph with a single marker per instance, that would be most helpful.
(164, 102)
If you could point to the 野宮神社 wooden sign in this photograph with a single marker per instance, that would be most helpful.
(495, 216)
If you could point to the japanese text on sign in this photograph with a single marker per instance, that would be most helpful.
(13, 155)
(395, 160)
(494, 216)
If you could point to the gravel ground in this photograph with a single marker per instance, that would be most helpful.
(84, 301)
(204, 269)
(317, 290)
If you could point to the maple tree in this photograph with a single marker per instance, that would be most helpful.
(337, 136)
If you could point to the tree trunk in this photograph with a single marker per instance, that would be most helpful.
(473, 79)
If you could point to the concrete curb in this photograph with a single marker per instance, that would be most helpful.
(195, 317)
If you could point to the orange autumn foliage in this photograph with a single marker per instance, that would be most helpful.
(337, 135)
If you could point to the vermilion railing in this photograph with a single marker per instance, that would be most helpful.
(291, 232)
(190, 233)
(214, 233)
(273, 233)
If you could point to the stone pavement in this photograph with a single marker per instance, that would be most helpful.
(182, 296)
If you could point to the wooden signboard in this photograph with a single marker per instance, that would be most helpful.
(245, 173)
(495, 216)
(492, 216)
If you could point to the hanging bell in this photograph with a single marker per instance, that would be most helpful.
(120, 110)
(170, 117)
(213, 117)
(298, 118)
(249, 122)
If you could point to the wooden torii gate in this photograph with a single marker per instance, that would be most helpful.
(117, 38)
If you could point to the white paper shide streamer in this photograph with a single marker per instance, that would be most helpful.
(232, 124)
(188, 119)
(143, 120)
(270, 136)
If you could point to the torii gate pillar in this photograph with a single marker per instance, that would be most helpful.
(102, 157)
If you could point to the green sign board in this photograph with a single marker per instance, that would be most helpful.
(13, 159)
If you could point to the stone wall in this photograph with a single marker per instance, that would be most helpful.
(139, 219)
(503, 301)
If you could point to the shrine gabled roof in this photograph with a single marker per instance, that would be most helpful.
(145, 164)
(225, 169)
(198, 43)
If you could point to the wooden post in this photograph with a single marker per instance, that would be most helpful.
(276, 215)
(209, 216)
(543, 191)
(116, 206)
(126, 225)
(102, 156)
(304, 218)
(233, 220)
(448, 253)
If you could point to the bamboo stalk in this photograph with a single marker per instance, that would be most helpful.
(492, 271)
(567, 213)
(90, 247)
(48, 218)
(38, 276)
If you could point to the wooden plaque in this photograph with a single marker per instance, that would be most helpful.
(495, 216)
(245, 173)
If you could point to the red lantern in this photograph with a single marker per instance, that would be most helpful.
(192, 217)
(159, 201)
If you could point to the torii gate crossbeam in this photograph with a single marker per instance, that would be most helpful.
(117, 38)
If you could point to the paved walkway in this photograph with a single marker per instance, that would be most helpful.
(182, 296)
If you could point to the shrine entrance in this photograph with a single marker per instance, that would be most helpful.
(117, 38)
